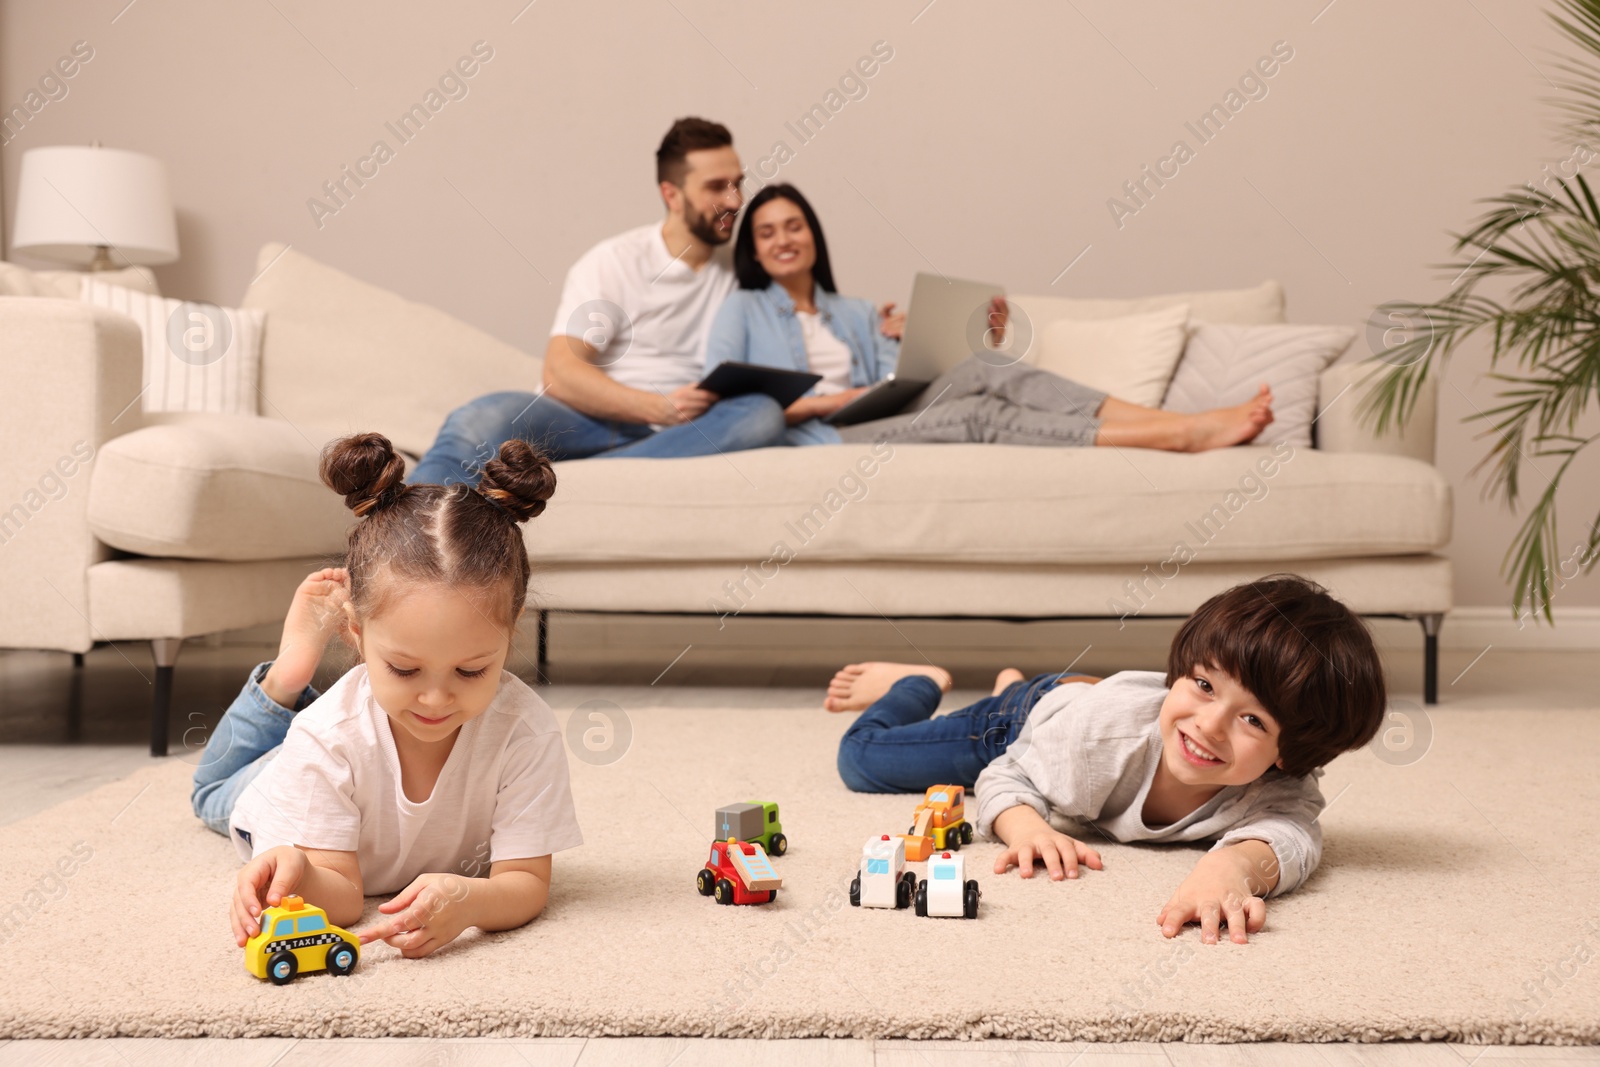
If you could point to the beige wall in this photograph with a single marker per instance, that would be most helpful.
(988, 146)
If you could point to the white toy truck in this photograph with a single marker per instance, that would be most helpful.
(883, 881)
(944, 892)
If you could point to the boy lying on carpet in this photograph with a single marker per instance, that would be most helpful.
(1265, 683)
(426, 763)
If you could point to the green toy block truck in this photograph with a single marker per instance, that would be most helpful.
(752, 821)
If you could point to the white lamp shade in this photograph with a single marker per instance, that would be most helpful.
(72, 199)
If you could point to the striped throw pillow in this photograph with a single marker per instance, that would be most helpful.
(197, 357)
(1225, 364)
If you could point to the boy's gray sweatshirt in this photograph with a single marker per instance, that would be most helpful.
(1089, 752)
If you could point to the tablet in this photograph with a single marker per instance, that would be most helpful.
(737, 379)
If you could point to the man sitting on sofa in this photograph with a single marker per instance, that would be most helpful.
(628, 342)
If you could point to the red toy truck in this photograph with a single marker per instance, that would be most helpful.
(738, 872)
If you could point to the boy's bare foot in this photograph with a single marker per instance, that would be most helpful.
(1009, 676)
(1225, 427)
(315, 615)
(859, 684)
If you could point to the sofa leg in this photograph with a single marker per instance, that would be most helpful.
(165, 650)
(544, 646)
(1430, 655)
(75, 699)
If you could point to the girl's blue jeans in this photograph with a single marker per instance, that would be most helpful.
(896, 746)
(246, 740)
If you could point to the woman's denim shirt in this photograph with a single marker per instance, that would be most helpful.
(759, 326)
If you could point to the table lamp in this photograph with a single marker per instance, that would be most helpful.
(75, 204)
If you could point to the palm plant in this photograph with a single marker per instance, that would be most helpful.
(1541, 246)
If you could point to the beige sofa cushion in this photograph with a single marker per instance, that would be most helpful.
(1130, 357)
(993, 504)
(1258, 305)
(1341, 428)
(219, 487)
(346, 355)
(237, 488)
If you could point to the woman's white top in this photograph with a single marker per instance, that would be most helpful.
(825, 354)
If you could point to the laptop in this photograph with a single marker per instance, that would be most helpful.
(944, 325)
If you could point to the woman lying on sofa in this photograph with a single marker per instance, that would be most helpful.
(788, 314)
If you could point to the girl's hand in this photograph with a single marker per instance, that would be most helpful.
(428, 914)
(279, 871)
(1059, 853)
(816, 407)
(890, 324)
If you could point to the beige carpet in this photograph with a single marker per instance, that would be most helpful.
(1459, 898)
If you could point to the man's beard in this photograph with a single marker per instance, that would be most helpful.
(705, 226)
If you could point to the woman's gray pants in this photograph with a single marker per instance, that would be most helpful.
(980, 402)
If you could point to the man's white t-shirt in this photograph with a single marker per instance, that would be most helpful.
(644, 311)
(335, 784)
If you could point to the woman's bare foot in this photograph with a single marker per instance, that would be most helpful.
(858, 685)
(1225, 427)
(1008, 677)
(315, 615)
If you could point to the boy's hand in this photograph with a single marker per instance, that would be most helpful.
(428, 914)
(1215, 891)
(1059, 853)
(277, 871)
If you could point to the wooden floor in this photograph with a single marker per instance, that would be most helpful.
(63, 733)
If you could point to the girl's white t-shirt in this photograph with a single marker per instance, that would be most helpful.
(503, 794)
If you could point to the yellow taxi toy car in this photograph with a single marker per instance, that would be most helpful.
(295, 937)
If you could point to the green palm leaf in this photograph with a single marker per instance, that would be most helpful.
(1540, 247)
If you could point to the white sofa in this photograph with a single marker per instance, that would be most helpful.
(185, 525)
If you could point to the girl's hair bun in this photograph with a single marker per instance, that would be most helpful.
(520, 479)
(365, 469)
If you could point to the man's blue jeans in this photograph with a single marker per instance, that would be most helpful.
(474, 432)
(246, 740)
(897, 747)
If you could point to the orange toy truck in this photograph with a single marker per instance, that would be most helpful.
(939, 823)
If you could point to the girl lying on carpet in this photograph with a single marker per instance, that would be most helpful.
(1265, 683)
(425, 765)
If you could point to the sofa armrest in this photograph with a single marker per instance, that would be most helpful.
(71, 375)
(1338, 429)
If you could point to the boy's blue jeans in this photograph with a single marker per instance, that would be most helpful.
(474, 432)
(246, 740)
(896, 746)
